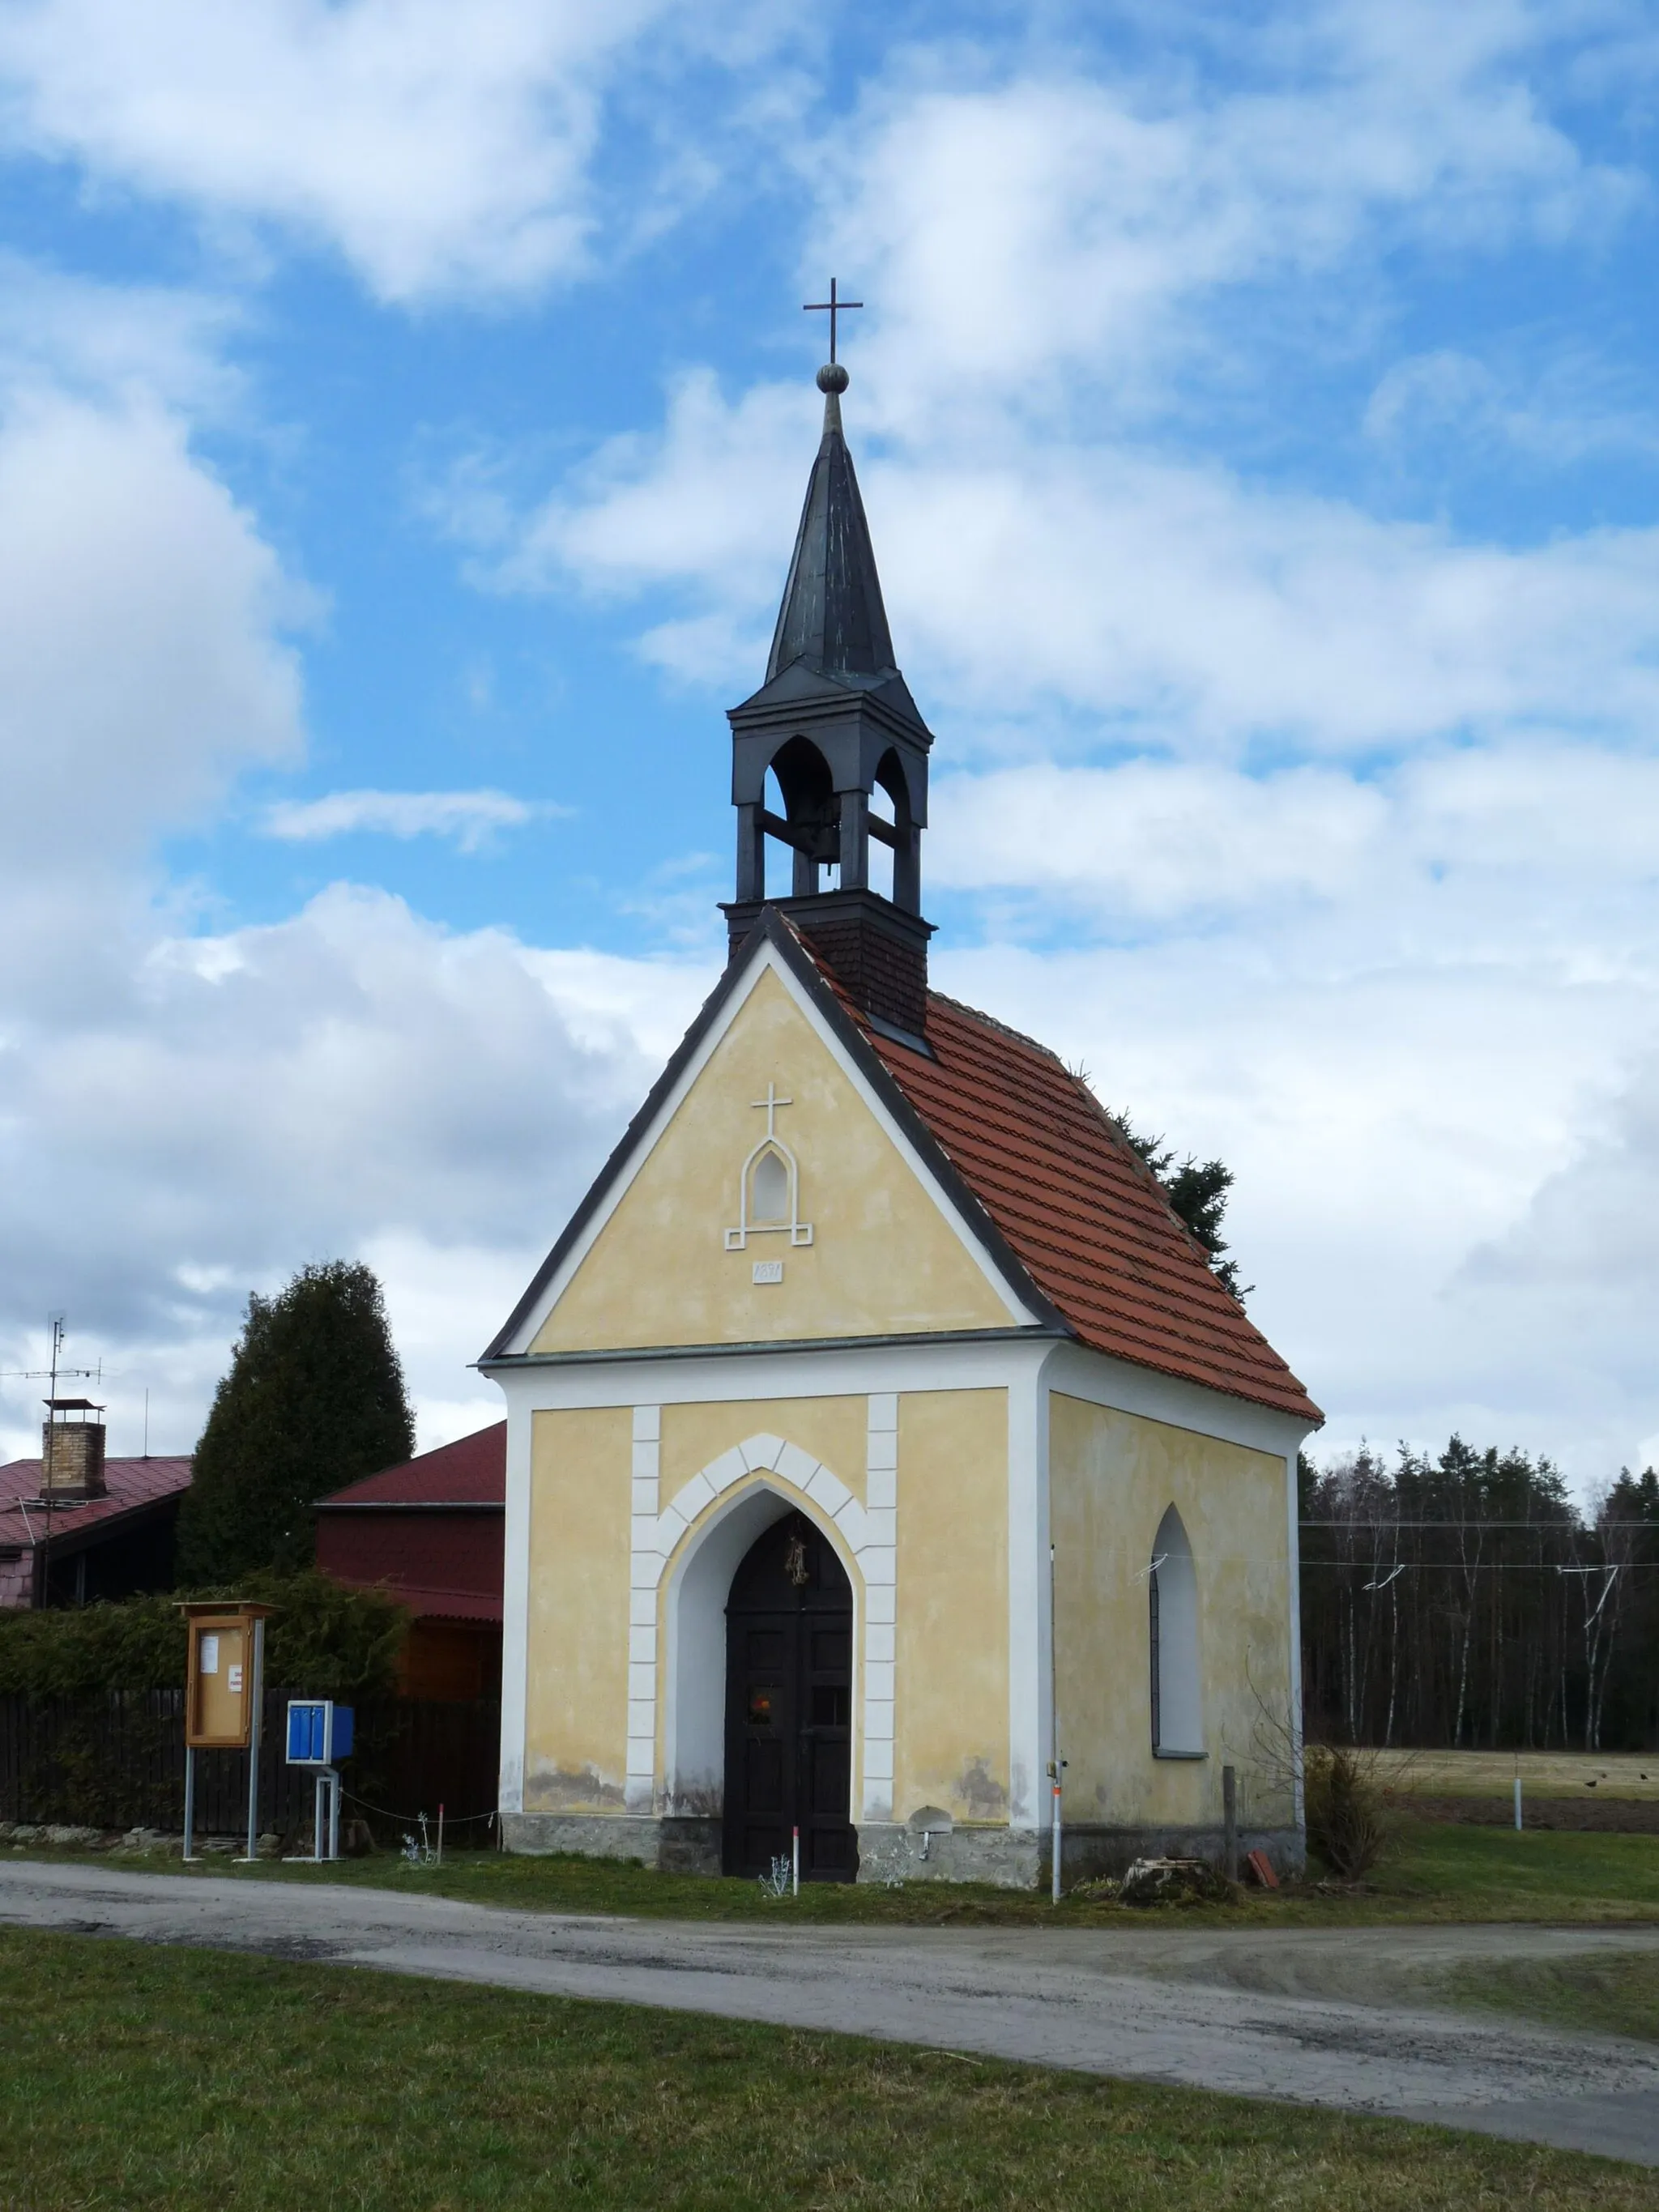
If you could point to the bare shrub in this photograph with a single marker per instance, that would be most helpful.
(1342, 1804)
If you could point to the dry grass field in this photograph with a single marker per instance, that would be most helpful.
(1552, 1774)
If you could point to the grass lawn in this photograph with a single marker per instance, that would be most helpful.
(135, 2077)
(1612, 1997)
(1434, 1872)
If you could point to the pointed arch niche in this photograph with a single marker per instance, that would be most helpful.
(1172, 1602)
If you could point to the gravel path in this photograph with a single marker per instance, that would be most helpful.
(1311, 2016)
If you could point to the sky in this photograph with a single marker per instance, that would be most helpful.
(404, 411)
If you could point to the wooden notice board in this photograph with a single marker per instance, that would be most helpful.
(220, 1684)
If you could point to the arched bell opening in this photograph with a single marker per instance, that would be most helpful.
(788, 1766)
(895, 847)
(807, 817)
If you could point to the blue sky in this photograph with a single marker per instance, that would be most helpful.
(403, 416)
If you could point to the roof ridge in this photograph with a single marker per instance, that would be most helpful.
(1007, 1029)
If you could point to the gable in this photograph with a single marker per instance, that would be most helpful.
(871, 1247)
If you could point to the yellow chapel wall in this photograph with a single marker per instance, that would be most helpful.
(576, 1686)
(951, 1720)
(950, 1638)
(1112, 1476)
(883, 1260)
(833, 1430)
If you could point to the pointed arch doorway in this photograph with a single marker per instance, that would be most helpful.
(789, 1707)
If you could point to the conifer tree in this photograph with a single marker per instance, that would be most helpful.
(314, 1400)
(1197, 1192)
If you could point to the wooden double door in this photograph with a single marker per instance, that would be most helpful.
(789, 1707)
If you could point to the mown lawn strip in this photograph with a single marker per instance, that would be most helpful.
(139, 2077)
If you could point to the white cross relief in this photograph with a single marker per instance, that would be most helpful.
(800, 1232)
(769, 1106)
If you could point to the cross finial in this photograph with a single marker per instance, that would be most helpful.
(832, 306)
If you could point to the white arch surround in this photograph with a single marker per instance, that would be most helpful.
(1178, 1713)
(754, 1484)
(694, 1627)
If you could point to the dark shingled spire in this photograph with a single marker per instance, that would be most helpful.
(835, 728)
(832, 618)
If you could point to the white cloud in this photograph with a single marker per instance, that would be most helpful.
(146, 345)
(1563, 413)
(1182, 607)
(471, 817)
(354, 1080)
(144, 667)
(1154, 838)
(1097, 226)
(439, 149)
(1476, 829)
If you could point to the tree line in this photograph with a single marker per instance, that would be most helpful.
(1467, 1600)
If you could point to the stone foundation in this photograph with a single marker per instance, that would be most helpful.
(1009, 1858)
(675, 1844)
(1012, 1858)
(1088, 1852)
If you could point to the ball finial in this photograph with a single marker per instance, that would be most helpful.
(832, 377)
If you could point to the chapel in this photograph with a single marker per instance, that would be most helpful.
(881, 1447)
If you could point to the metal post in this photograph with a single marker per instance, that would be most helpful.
(1230, 1823)
(1056, 1762)
(334, 1813)
(256, 1714)
(1517, 1804)
(190, 1799)
(794, 1861)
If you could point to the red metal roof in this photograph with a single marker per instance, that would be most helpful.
(1082, 1213)
(132, 1485)
(129, 1483)
(472, 1471)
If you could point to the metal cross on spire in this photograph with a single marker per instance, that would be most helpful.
(832, 306)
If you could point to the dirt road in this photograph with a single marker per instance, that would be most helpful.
(1311, 2016)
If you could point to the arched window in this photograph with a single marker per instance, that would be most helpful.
(769, 1191)
(1172, 1603)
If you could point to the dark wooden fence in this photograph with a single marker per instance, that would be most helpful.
(118, 1761)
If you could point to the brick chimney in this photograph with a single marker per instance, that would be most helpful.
(72, 1451)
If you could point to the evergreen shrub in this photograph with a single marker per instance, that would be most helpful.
(324, 1639)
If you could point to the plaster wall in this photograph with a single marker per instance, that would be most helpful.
(1112, 1476)
(831, 1429)
(577, 1685)
(951, 1721)
(884, 1257)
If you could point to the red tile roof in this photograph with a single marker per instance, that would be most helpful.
(472, 1471)
(1082, 1213)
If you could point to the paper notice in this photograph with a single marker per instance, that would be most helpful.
(235, 1682)
(210, 1655)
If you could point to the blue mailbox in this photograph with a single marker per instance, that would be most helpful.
(318, 1732)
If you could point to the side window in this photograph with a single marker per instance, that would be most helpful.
(1172, 1635)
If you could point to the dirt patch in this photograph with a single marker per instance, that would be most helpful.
(1621, 1816)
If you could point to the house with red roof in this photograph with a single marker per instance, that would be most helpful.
(76, 1525)
(889, 1478)
(429, 1532)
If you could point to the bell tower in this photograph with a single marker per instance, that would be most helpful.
(836, 727)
